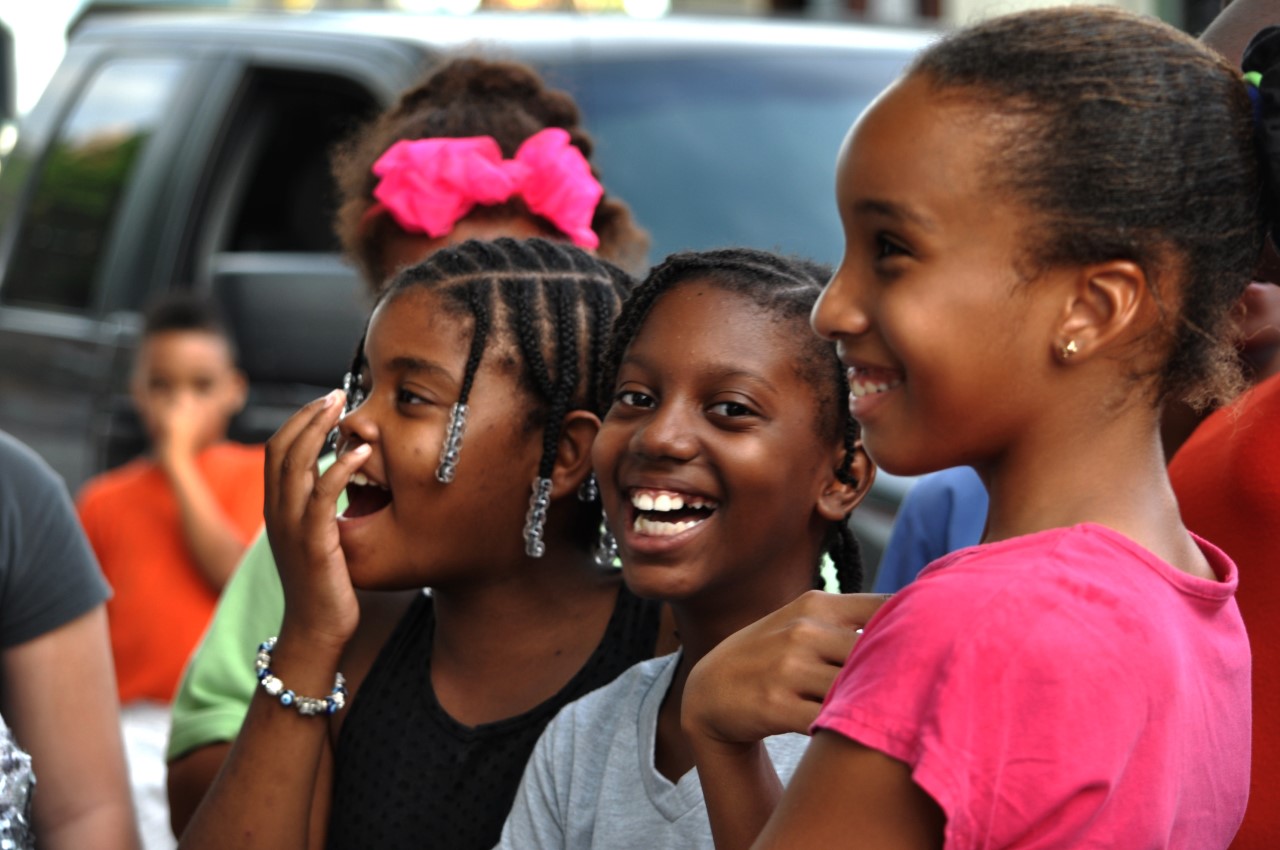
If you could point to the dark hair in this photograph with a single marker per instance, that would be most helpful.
(184, 311)
(460, 98)
(547, 304)
(1132, 141)
(787, 287)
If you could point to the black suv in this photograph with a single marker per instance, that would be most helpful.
(191, 150)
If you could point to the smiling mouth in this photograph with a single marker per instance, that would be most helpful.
(365, 496)
(864, 382)
(666, 513)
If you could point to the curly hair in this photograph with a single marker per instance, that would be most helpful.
(469, 96)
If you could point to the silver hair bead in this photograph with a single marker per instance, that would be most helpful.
(588, 490)
(452, 444)
(536, 519)
(606, 553)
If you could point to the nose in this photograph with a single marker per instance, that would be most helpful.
(668, 434)
(840, 310)
(357, 426)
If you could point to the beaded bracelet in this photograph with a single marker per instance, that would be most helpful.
(307, 706)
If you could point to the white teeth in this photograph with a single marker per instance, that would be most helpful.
(668, 502)
(658, 528)
(860, 387)
(362, 480)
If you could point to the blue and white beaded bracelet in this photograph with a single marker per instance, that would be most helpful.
(306, 706)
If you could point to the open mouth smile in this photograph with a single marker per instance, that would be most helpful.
(667, 513)
(864, 381)
(365, 496)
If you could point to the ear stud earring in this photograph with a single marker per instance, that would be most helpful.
(1069, 349)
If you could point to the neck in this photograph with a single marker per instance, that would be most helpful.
(1110, 471)
(704, 622)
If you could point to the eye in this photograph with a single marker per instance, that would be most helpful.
(731, 409)
(888, 247)
(409, 398)
(633, 398)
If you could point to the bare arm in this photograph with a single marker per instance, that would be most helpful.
(846, 795)
(60, 700)
(189, 779)
(215, 545)
(766, 679)
(275, 782)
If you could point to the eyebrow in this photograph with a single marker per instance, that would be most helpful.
(717, 372)
(415, 365)
(872, 206)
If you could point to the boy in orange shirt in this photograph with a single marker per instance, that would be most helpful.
(170, 528)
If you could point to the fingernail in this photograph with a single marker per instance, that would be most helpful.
(332, 397)
(362, 449)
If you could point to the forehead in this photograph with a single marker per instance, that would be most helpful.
(702, 325)
(919, 145)
(179, 350)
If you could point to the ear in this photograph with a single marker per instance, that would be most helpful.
(839, 498)
(573, 455)
(1103, 308)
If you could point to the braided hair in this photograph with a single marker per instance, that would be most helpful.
(547, 303)
(787, 287)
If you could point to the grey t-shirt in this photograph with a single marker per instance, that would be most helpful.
(591, 782)
(48, 574)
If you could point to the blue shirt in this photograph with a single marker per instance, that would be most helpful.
(944, 511)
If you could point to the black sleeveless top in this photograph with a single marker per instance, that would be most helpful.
(407, 775)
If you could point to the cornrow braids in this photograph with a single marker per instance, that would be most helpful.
(787, 287)
(546, 304)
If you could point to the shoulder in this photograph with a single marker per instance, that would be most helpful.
(23, 473)
(104, 488)
(604, 708)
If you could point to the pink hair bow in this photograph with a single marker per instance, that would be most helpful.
(429, 185)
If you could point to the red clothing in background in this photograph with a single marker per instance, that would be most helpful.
(1227, 477)
(161, 604)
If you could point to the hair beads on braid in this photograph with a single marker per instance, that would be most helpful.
(553, 303)
(787, 287)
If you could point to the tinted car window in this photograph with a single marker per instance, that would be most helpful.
(82, 181)
(730, 150)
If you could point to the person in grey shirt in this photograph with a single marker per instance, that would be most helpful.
(727, 467)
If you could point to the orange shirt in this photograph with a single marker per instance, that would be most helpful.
(1227, 478)
(161, 604)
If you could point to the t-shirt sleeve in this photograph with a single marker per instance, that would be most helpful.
(219, 681)
(1007, 721)
(538, 816)
(48, 574)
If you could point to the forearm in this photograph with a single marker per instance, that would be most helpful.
(265, 795)
(741, 789)
(110, 824)
(214, 543)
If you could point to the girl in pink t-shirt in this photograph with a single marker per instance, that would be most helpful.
(1046, 220)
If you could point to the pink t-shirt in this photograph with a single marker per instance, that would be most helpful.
(1066, 689)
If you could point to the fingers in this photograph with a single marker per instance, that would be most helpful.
(335, 478)
(297, 443)
(853, 610)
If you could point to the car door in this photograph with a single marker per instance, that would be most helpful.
(69, 192)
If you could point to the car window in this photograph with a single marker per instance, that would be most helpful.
(82, 181)
(729, 150)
